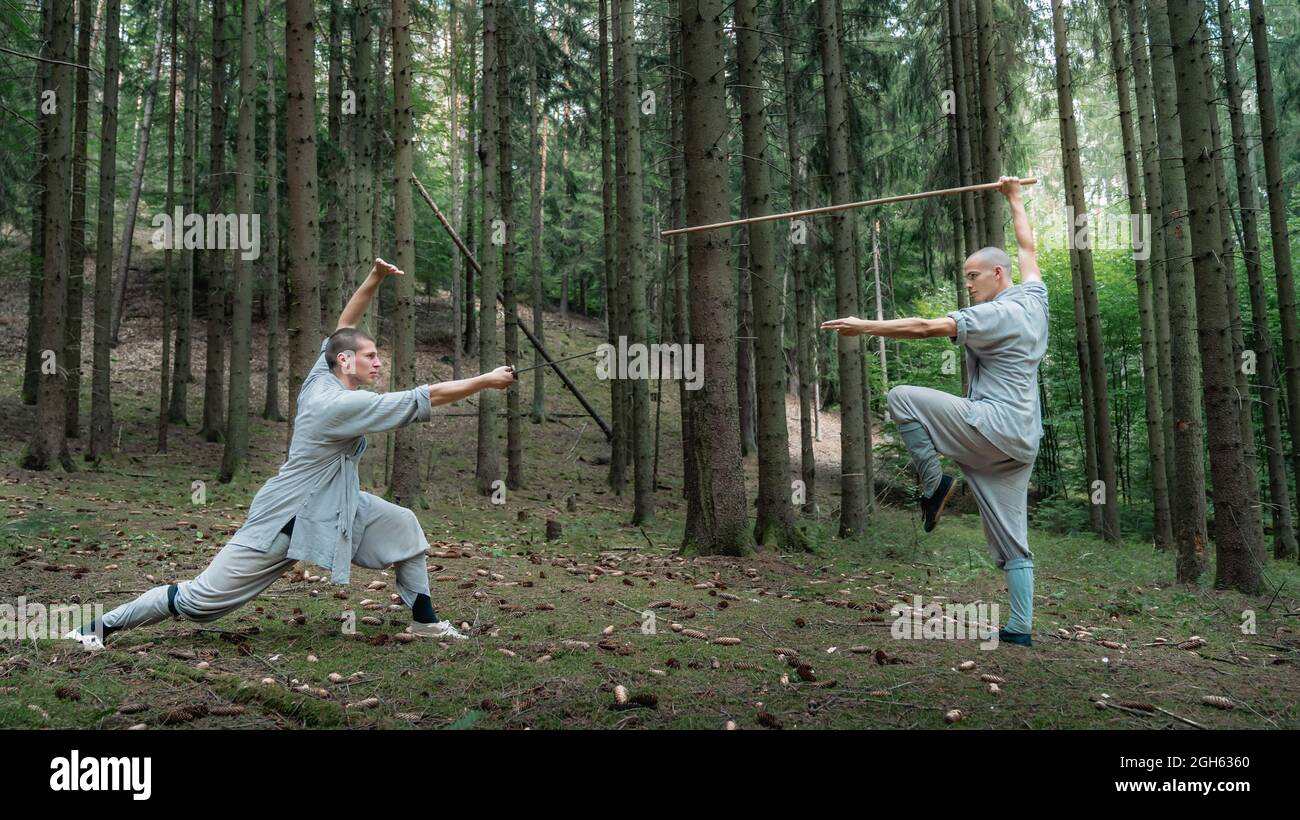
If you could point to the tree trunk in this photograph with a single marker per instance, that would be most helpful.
(36, 264)
(745, 349)
(961, 107)
(1238, 537)
(507, 27)
(620, 448)
(1277, 221)
(1153, 187)
(336, 166)
(853, 497)
(716, 515)
(363, 142)
(101, 409)
(488, 470)
(234, 461)
(271, 411)
(775, 521)
(1100, 407)
(77, 243)
(457, 211)
(404, 487)
(214, 369)
(805, 285)
(1187, 494)
(182, 365)
(164, 372)
(49, 443)
(638, 332)
(304, 328)
(1164, 533)
(1284, 535)
(536, 168)
(991, 140)
(677, 216)
(133, 205)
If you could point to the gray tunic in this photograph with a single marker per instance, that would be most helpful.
(318, 484)
(1005, 339)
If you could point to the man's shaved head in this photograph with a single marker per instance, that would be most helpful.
(990, 257)
(988, 273)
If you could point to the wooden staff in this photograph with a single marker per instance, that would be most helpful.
(469, 257)
(985, 186)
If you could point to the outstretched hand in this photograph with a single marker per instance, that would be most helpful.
(852, 326)
(383, 269)
(501, 378)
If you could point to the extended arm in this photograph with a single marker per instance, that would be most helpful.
(1028, 255)
(448, 392)
(914, 328)
(356, 307)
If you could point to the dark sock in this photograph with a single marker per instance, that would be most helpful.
(422, 610)
(107, 630)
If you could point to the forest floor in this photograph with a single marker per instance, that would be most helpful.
(557, 624)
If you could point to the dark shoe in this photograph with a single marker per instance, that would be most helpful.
(932, 506)
(1019, 638)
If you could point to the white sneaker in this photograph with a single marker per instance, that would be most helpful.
(90, 643)
(441, 629)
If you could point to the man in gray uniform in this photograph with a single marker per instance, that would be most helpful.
(993, 433)
(313, 509)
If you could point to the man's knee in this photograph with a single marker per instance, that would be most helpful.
(899, 402)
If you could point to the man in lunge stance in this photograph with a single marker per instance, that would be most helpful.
(313, 509)
(993, 433)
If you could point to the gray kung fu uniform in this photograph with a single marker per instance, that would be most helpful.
(335, 524)
(993, 433)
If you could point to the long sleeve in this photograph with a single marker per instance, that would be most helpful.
(353, 413)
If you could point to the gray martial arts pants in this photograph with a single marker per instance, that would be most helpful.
(931, 420)
(389, 535)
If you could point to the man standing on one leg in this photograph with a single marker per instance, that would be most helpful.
(993, 433)
(313, 509)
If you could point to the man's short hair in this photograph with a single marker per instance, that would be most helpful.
(991, 257)
(343, 340)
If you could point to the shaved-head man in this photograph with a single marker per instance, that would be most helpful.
(992, 433)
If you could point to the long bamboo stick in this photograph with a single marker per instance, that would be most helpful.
(825, 209)
(469, 257)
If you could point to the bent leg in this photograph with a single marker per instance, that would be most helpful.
(932, 422)
(387, 534)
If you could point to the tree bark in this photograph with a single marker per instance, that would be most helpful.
(991, 139)
(271, 411)
(101, 409)
(1277, 222)
(184, 351)
(488, 469)
(1100, 407)
(77, 243)
(215, 367)
(1284, 535)
(1161, 515)
(304, 328)
(49, 445)
(716, 515)
(234, 461)
(1187, 494)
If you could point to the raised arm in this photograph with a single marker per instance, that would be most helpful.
(360, 300)
(1028, 256)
